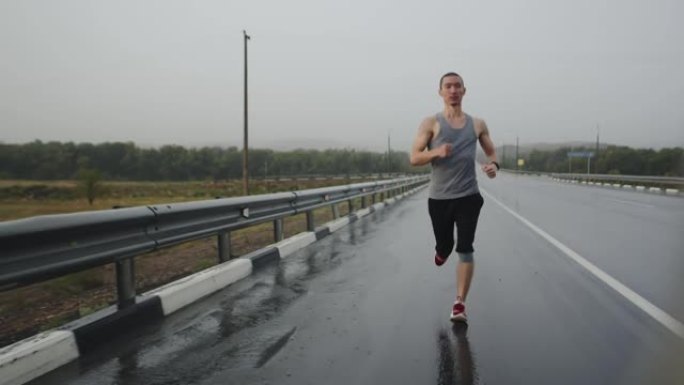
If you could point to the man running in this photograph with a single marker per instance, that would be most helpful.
(448, 140)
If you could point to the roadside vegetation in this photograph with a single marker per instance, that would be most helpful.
(125, 161)
(616, 160)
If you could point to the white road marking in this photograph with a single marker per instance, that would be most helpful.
(630, 202)
(658, 314)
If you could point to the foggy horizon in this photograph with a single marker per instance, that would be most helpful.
(339, 75)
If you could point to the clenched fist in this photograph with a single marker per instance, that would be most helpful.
(490, 170)
(443, 151)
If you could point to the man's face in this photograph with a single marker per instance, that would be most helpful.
(452, 90)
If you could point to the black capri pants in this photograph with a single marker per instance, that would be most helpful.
(464, 212)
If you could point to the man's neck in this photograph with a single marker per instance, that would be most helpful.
(453, 111)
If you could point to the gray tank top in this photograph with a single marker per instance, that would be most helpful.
(454, 176)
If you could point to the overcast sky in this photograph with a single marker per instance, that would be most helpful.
(339, 73)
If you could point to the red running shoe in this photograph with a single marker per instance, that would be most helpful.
(439, 261)
(458, 313)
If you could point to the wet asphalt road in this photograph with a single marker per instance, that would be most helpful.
(366, 305)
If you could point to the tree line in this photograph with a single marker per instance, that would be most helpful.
(608, 160)
(39, 160)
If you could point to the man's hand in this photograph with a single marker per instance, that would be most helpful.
(443, 151)
(490, 170)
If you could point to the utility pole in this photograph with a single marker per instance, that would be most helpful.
(245, 157)
(389, 155)
(266, 174)
(517, 155)
(588, 164)
(597, 148)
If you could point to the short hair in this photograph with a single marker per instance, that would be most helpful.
(449, 74)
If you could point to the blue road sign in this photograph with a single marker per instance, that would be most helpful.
(580, 154)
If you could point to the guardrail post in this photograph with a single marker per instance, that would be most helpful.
(278, 230)
(310, 225)
(224, 246)
(125, 283)
(373, 198)
(335, 211)
(350, 204)
(363, 202)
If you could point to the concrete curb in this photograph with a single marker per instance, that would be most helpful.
(41, 353)
(294, 243)
(94, 329)
(263, 256)
(363, 212)
(322, 232)
(338, 224)
(30, 358)
(185, 291)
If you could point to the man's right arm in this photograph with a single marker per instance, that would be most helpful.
(421, 157)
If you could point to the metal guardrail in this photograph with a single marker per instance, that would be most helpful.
(643, 179)
(44, 247)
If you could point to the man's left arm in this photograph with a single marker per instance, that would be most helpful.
(487, 145)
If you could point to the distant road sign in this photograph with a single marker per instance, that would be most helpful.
(580, 154)
(521, 162)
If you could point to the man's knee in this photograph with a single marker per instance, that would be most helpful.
(466, 257)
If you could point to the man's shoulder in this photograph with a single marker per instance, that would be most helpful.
(430, 118)
(429, 122)
(477, 120)
(480, 125)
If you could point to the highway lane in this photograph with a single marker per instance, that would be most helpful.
(367, 306)
(636, 237)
